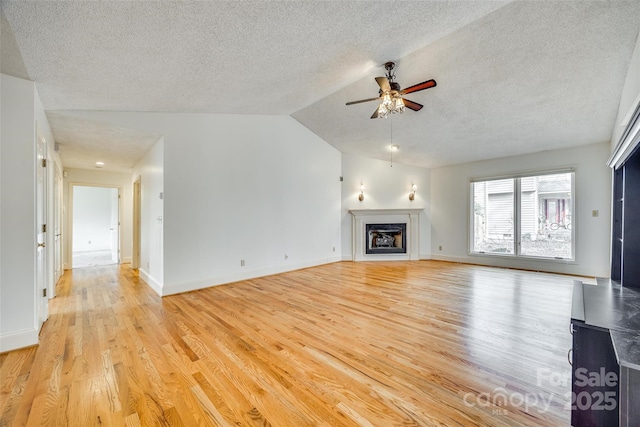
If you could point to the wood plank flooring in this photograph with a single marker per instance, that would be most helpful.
(347, 344)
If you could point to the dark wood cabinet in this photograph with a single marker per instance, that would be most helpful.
(616, 229)
(605, 380)
(595, 377)
(631, 223)
(625, 238)
(615, 306)
(629, 396)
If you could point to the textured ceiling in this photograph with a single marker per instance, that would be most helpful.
(83, 142)
(512, 77)
(530, 77)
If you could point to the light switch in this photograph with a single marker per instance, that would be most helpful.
(595, 213)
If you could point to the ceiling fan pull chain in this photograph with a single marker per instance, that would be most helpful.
(391, 146)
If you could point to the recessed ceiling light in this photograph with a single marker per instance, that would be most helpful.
(395, 147)
(99, 164)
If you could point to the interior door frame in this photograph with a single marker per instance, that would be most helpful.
(42, 275)
(117, 230)
(137, 222)
(58, 256)
(70, 217)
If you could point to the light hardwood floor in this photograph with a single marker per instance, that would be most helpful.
(369, 344)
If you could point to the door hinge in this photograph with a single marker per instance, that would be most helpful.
(44, 163)
(44, 228)
(44, 292)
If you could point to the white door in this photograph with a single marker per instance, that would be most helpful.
(57, 226)
(41, 215)
(115, 225)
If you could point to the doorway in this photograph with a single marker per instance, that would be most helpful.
(95, 226)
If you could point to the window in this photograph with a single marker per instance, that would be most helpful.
(527, 216)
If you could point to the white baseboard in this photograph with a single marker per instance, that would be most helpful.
(151, 281)
(18, 339)
(350, 258)
(464, 260)
(251, 274)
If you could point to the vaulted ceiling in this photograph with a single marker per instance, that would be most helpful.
(513, 77)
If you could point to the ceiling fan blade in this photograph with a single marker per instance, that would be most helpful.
(419, 86)
(363, 100)
(412, 105)
(375, 114)
(383, 82)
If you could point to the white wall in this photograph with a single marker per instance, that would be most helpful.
(92, 218)
(18, 231)
(450, 208)
(150, 171)
(241, 187)
(253, 188)
(386, 187)
(20, 112)
(630, 95)
(99, 179)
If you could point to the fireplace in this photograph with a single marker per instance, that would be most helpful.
(392, 245)
(386, 238)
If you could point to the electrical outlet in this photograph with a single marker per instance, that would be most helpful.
(241, 263)
(440, 247)
(334, 249)
(89, 241)
(286, 256)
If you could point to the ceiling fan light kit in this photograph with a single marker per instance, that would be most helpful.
(390, 105)
(390, 94)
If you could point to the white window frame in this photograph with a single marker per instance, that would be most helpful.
(517, 196)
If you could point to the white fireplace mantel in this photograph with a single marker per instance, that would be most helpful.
(361, 217)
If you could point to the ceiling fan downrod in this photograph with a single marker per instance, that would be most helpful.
(389, 66)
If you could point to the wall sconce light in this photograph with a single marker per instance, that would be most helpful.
(412, 195)
(361, 195)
